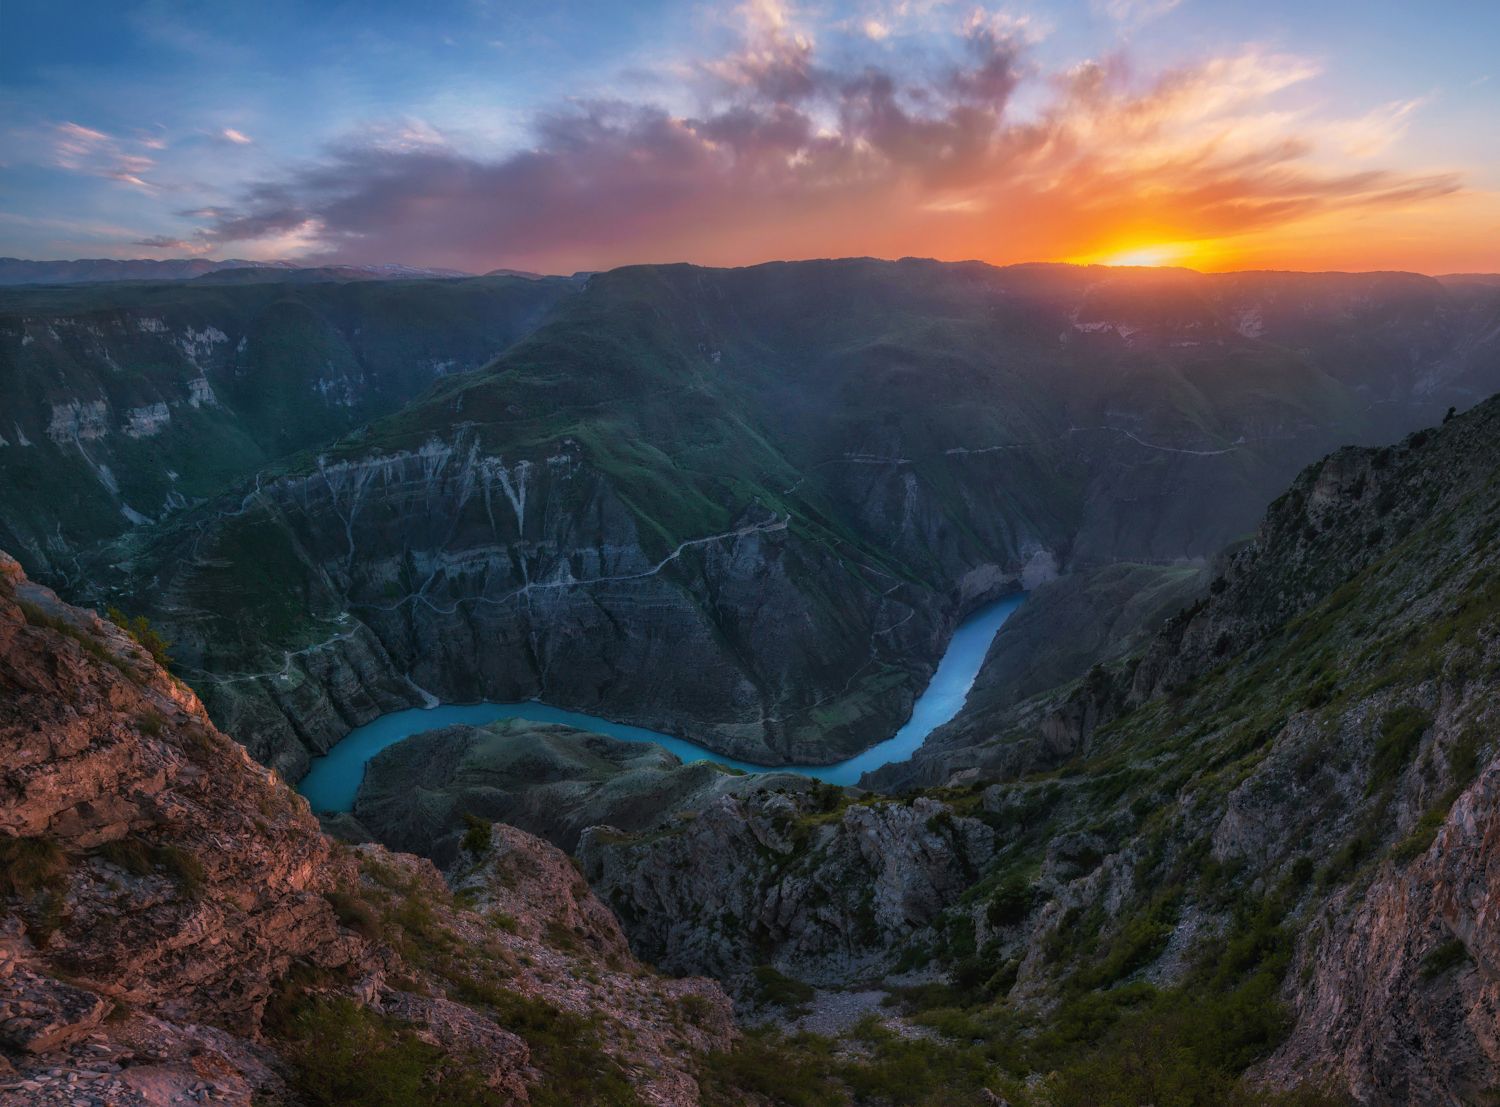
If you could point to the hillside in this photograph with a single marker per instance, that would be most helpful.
(128, 403)
(682, 500)
(1263, 844)
(174, 927)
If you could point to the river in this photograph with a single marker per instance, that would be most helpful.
(334, 778)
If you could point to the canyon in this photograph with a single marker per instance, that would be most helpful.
(1217, 820)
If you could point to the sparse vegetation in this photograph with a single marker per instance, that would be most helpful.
(146, 636)
(477, 835)
(341, 1054)
(29, 865)
(141, 858)
(1443, 957)
(774, 987)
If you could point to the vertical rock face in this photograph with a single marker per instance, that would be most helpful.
(831, 897)
(1402, 992)
(162, 893)
(125, 405)
(112, 766)
(471, 576)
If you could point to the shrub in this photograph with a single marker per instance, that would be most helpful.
(1401, 731)
(1011, 902)
(477, 835)
(1445, 956)
(145, 635)
(775, 987)
(28, 865)
(696, 1009)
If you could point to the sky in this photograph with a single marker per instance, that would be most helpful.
(578, 135)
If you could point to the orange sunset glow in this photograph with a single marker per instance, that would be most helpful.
(1123, 132)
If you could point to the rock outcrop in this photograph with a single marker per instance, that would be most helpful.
(1401, 998)
(798, 878)
(550, 780)
(174, 921)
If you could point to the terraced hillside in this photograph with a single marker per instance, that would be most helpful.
(127, 403)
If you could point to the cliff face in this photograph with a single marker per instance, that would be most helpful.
(767, 876)
(175, 925)
(127, 404)
(472, 576)
(797, 476)
(1401, 998)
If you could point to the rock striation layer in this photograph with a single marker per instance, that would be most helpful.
(175, 926)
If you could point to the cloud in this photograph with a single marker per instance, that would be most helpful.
(238, 138)
(167, 242)
(791, 153)
(81, 149)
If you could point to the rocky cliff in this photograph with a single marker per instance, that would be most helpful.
(550, 780)
(127, 404)
(1265, 843)
(176, 929)
(756, 468)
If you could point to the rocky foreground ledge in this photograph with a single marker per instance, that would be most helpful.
(174, 928)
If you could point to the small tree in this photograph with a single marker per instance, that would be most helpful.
(146, 636)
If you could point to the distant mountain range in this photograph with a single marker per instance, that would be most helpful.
(94, 270)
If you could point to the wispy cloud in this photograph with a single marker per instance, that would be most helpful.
(81, 149)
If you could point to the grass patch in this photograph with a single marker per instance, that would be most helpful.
(30, 865)
(341, 1053)
(140, 858)
(566, 1050)
(356, 914)
(1401, 731)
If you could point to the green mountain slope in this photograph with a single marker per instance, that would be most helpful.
(126, 403)
(749, 505)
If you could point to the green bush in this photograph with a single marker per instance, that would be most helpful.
(774, 987)
(341, 1054)
(1011, 902)
(477, 835)
(1401, 732)
(28, 865)
(146, 636)
(1443, 957)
